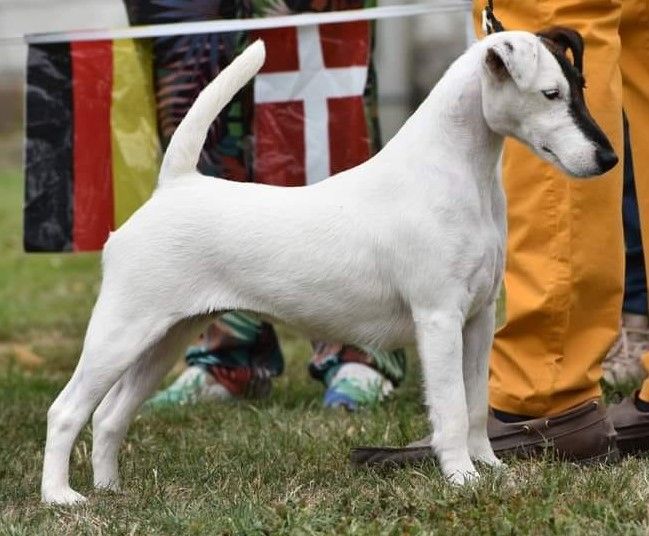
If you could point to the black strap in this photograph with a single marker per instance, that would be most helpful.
(493, 24)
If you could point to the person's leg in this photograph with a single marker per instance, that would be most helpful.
(634, 32)
(565, 248)
(622, 365)
(635, 277)
(237, 356)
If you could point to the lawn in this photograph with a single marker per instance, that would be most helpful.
(277, 466)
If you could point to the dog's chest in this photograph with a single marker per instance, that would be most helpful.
(484, 281)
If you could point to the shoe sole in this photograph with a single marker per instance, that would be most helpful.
(635, 446)
(608, 458)
(414, 455)
(611, 456)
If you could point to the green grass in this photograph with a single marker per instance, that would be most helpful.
(278, 466)
(44, 298)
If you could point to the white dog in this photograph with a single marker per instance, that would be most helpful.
(407, 246)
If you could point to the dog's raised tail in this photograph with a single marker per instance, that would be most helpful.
(185, 146)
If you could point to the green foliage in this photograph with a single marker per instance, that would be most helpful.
(278, 466)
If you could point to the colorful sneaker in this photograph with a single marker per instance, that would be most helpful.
(353, 385)
(623, 363)
(194, 384)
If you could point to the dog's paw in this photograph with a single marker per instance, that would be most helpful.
(461, 476)
(63, 497)
(480, 450)
(485, 455)
(491, 460)
(108, 485)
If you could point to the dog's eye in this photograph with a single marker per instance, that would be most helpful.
(551, 94)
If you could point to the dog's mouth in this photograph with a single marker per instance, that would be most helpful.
(549, 151)
(554, 158)
(573, 173)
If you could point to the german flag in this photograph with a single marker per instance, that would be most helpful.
(92, 148)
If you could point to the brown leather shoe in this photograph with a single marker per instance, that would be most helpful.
(631, 425)
(414, 452)
(584, 433)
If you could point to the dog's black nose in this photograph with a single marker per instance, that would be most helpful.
(606, 159)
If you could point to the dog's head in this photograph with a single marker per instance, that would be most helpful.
(533, 92)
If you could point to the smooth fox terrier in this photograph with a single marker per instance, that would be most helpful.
(407, 246)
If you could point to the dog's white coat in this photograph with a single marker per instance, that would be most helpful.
(407, 246)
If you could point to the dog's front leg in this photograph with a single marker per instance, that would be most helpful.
(439, 339)
(478, 337)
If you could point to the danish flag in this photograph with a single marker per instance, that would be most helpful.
(309, 120)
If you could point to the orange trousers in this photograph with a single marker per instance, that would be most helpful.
(565, 256)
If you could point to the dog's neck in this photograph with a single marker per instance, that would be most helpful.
(450, 123)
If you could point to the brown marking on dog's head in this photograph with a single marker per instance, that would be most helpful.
(496, 65)
(560, 39)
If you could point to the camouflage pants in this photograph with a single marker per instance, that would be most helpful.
(239, 349)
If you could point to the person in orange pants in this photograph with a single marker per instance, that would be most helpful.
(565, 260)
(564, 275)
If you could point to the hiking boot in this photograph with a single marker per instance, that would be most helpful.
(631, 425)
(623, 363)
(583, 434)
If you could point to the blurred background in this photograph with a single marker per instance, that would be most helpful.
(45, 299)
(411, 55)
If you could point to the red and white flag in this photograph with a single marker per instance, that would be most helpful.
(309, 120)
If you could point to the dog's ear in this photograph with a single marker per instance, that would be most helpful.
(564, 39)
(514, 57)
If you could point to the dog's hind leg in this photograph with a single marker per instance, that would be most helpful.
(112, 418)
(118, 334)
(478, 338)
(439, 340)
